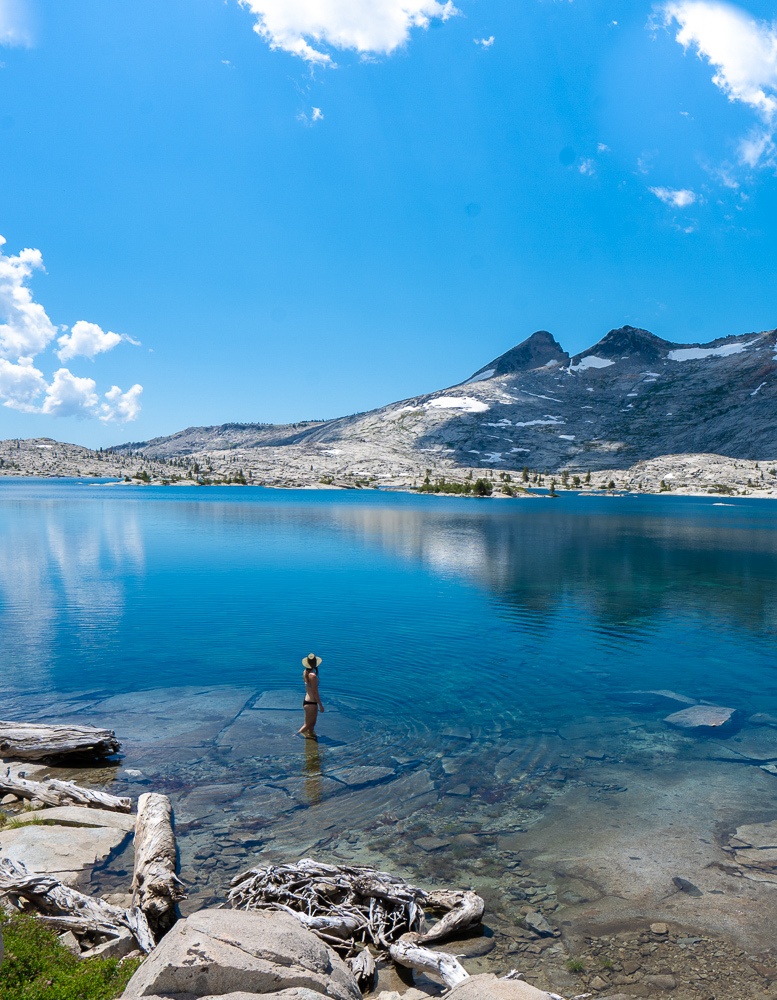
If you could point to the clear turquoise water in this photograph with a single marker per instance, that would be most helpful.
(467, 606)
(481, 653)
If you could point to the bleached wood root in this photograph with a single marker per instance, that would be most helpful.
(155, 886)
(353, 905)
(336, 925)
(349, 905)
(363, 968)
(64, 907)
(28, 741)
(433, 963)
(464, 910)
(61, 793)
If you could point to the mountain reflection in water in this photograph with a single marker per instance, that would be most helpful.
(443, 596)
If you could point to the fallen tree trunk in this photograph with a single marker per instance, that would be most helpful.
(433, 963)
(68, 908)
(464, 910)
(61, 793)
(155, 886)
(27, 741)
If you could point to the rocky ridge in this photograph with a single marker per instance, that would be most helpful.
(631, 398)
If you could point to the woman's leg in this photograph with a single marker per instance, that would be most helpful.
(311, 714)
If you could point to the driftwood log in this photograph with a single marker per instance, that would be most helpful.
(465, 909)
(155, 886)
(363, 969)
(27, 741)
(68, 909)
(351, 907)
(61, 793)
(434, 963)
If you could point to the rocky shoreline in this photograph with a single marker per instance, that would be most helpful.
(568, 925)
(291, 468)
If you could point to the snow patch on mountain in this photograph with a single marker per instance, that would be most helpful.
(481, 377)
(467, 403)
(697, 353)
(591, 361)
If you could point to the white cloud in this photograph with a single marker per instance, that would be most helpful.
(27, 330)
(303, 27)
(69, 396)
(602, 147)
(121, 406)
(678, 198)
(485, 42)
(587, 168)
(86, 340)
(316, 115)
(743, 53)
(20, 384)
(15, 26)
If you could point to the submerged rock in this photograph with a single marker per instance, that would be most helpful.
(218, 952)
(538, 923)
(701, 717)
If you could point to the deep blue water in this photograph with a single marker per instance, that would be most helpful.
(420, 606)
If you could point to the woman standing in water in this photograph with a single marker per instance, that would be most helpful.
(312, 702)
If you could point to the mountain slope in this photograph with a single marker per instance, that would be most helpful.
(631, 397)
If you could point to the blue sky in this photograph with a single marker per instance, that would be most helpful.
(288, 209)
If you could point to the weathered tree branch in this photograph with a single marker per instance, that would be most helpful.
(68, 908)
(28, 741)
(464, 910)
(61, 793)
(434, 963)
(155, 886)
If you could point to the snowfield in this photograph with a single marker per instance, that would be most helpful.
(466, 403)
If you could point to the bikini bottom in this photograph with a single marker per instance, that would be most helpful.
(309, 703)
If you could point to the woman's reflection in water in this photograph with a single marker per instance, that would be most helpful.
(312, 772)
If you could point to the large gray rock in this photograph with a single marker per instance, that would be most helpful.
(218, 952)
(488, 987)
(79, 816)
(63, 851)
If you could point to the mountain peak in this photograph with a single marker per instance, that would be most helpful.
(540, 349)
(630, 341)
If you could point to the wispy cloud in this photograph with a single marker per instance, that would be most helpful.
(486, 43)
(587, 168)
(15, 24)
(26, 332)
(305, 28)
(743, 53)
(316, 115)
(676, 197)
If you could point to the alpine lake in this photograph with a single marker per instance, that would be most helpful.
(496, 676)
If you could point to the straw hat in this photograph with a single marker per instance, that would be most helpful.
(311, 660)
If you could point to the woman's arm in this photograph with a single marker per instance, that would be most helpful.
(314, 691)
